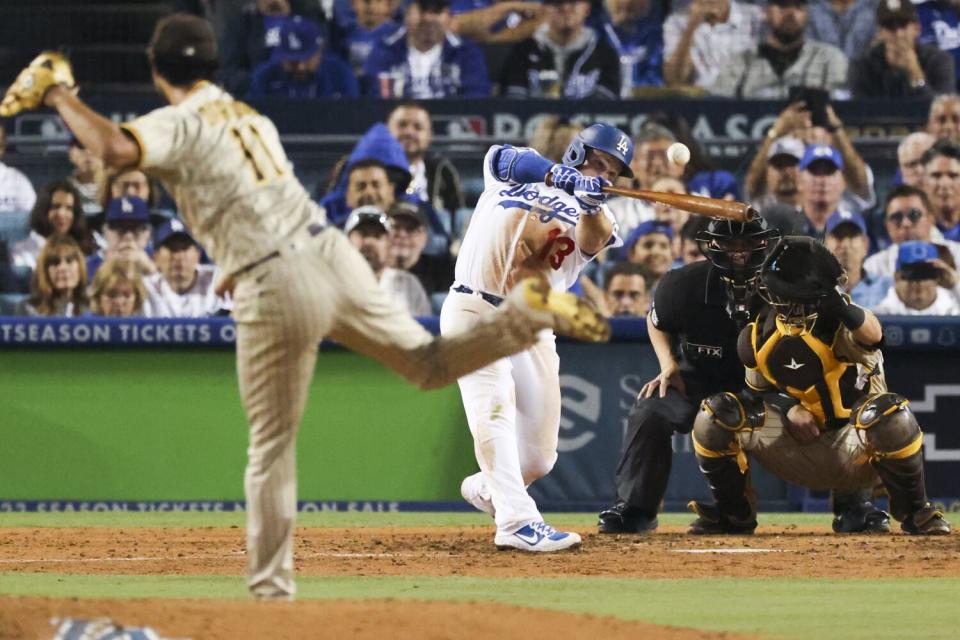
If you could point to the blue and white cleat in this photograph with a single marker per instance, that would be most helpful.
(537, 537)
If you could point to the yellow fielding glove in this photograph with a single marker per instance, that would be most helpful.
(27, 91)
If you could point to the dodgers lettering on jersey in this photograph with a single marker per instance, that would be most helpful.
(525, 224)
(225, 167)
(940, 25)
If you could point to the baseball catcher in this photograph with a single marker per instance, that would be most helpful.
(817, 411)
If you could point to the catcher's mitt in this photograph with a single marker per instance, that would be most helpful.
(27, 91)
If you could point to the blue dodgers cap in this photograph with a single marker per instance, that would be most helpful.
(299, 39)
(845, 217)
(824, 152)
(914, 252)
(714, 184)
(171, 229)
(128, 209)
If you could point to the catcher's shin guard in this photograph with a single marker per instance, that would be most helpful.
(719, 455)
(894, 442)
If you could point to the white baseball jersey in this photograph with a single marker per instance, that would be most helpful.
(16, 192)
(225, 167)
(549, 233)
(199, 301)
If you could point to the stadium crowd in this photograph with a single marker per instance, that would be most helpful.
(112, 245)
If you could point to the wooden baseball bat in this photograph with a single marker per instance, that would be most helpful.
(713, 207)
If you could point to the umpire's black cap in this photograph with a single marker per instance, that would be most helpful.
(182, 37)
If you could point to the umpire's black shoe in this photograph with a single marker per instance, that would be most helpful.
(712, 522)
(621, 518)
(928, 521)
(862, 518)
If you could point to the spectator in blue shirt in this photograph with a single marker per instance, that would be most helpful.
(940, 25)
(849, 25)
(299, 68)
(846, 238)
(635, 29)
(248, 39)
(354, 41)
(425, 59)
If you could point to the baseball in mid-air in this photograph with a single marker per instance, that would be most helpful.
(678, 154)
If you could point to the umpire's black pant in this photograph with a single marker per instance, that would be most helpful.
(647, 448)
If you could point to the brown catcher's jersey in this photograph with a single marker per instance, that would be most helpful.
(825, 369)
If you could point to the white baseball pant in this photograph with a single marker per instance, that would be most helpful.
(513, 411)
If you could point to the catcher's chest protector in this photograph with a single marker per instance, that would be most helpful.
(805, 366)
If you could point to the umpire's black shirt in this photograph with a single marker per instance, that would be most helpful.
(690, 303)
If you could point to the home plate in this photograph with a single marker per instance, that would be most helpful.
(743, 550)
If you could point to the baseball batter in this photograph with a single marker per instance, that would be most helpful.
(534, 217)
(294, 279)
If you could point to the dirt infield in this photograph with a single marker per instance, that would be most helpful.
(469, 551)
(403, 551)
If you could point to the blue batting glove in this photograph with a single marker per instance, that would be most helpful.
(564, 177)
(589, 194)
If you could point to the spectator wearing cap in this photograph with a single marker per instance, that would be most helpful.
(300, 68)
(16, 192)
(849, 25)
(941, 166)
(58, 210)
(943, 119)
(940, 26)
(821, 186)
(409, 237)
(899, 66)
(369, 230)
(700, 40)
(783, 60)
(846, 238)
(910, 153)
(563, 59)
(127, 233)
(434, 178)
(424, 59)
(86, 178)
(353, 41)
(634, 28)
(182, 287)
(650, 245)
(625, 291)
(907, 217)
(774, 172)
(921, 284)
(248, 39)
(721, 185)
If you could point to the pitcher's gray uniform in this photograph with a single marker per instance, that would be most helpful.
(296, 281)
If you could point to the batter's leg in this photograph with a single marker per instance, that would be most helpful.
(536, 378)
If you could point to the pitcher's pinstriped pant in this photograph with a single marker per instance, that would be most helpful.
(321, 286)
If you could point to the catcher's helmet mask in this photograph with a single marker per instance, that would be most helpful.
(601, 137)
(797, 275)
(724, 241)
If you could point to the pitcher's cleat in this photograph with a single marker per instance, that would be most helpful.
(537, 537)
(472, 491)
(928, 521)
(568, 314)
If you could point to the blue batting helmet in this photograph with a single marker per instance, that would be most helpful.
(601, 137)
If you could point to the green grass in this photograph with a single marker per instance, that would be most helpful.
(847, 609)
(345, 519)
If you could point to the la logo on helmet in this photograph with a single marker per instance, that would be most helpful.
(622, 145)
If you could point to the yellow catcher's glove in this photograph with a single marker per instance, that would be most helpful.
(28, 90)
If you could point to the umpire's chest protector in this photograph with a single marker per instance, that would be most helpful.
(804, 365)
